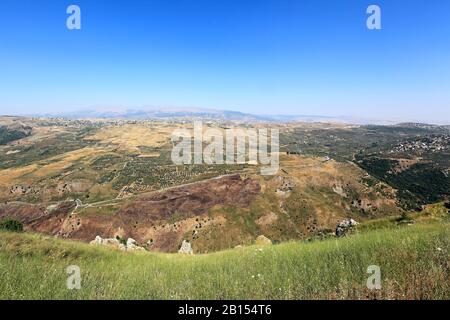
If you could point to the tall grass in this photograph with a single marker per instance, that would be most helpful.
(414, 262)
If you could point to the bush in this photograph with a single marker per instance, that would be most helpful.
(405, 219)
(11, 225)
(447, 205)
(121, 240)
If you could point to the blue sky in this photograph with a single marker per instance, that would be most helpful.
(259, 56)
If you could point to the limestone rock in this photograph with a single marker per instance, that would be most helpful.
(133, 247)
(186, 248)
(98, 240)
(262, 240)
(345, 226)
(131, 241)
(131, 244)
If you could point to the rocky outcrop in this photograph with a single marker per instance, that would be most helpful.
(130, 245)
(262, 240)
(186, 248)
(20, 190)
(345, 226)
(285, 187)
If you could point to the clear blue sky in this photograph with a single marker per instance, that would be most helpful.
(259, 56)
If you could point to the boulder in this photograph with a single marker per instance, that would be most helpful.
(133, 247)
(98, 240)
(262, 240)
(131, 242)
(345, 226)
(186, 248)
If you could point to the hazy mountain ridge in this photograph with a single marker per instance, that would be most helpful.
(207, 114)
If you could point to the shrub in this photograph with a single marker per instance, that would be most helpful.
(121, 240)
(405, 218)
(11, 225)
(447, 205)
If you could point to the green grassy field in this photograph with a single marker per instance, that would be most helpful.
(414, 262)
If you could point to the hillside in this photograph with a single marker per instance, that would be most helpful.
(12, 133)
(414, 262)
(78, 179)
(307, 198)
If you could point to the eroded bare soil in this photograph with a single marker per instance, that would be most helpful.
(157, 219)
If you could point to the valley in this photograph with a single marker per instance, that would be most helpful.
(78, 179)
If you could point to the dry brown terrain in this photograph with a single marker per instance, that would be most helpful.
(100, 186)
(159, 217)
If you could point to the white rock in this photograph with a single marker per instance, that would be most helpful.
(134, 248)
(344, 226)
(186, 248)
(131, 242)
(98, 240)
(262, 240)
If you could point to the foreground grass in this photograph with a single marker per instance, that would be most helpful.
(414, 262)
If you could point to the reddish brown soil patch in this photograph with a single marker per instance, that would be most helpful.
(143, 217)
(23, 212)
(30, 214)
(192, 200)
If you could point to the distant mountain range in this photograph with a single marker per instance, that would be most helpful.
(212, 114)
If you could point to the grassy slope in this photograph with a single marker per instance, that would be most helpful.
(412, 266)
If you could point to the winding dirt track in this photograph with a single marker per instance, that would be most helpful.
(144, 217)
